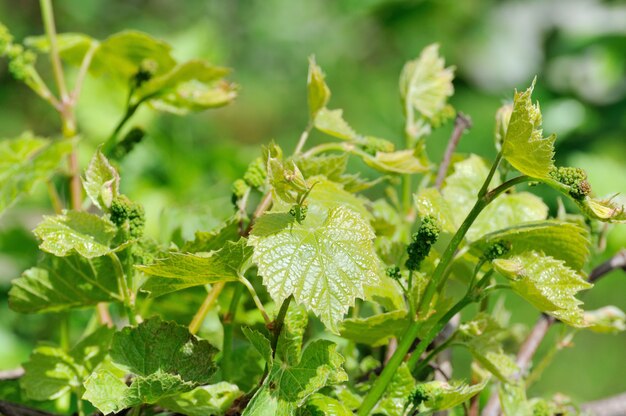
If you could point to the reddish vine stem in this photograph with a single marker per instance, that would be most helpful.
(462, 123)
(544, 323)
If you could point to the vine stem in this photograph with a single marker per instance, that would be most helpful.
(461, 124)
(57, 67)
(380, 385)
(227, 322)
(303, 138)
(206, 306)
(256, 299)
(277, 325)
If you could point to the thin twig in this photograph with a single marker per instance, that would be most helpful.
(11, 374)
(82, 72)
(55, 59)
(461, 124)
(206, 306)
(610, 406)
(539, 331)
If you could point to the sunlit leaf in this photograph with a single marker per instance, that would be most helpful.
(318, 91)
(483, 337)
(332, 123)
(607, 210)
(318, 404)
(375, 330)
(59, 283)
(214, 399)
(401, 161)
(324, 266)
(177, 271)
(72, 47)
(87, 234)
(439, 395)
(102, 182)
(393, 401)
(524, 146)
(562, 240)
(547, 283)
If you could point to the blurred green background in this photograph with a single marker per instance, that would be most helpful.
(183, 171)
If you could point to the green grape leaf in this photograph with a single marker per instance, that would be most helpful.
(272, 223)
(123, 53)
(287, 387)
(50, 373)
(401, 161)
(59, 283)
(506, 211)
(176, 271)
(559, 239)
(524, 146)
(207, 241)
(318, 91)
(260, 343)
(164, 360)
(166, 346)
(603, 210)
(192, 86)
(387, 293)
(76, 231)
(325, 267)
(319, 404)
(393, 401)
(27, 161)
(101, 182)
(608, 319)
(332, 123)
(289, 346)
(425, 86)
(375, 330)
(72, 47)
(214, 399)
(330, 166)
(513, 399)
(483, 336)
(546, 283)
(439, 395)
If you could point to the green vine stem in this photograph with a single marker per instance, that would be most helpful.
(227, 322)
(206, 306)
(277, 325)
(380, 385)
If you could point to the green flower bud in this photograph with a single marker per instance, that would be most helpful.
(372, 145)
(575, 178)
(423, 239)
(255, 174)
(394, 272)
(496, 250)
(239, 188)
(129, 215)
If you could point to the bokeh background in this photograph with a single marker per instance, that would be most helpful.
(183, 171)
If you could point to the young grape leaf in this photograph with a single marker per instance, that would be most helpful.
(176, 271)
(325, 267)
(331, 166)
(547, 283)
(318, 92)
(191, 86)
(608, 319)
(401, 161)
(319, 404)
(214, 399)
(260, 343)
(375, 330)
(430, 202)
(332, 123)
(524, 146)
(101, 182)
(603, 210)
(425, 86)
(164, 360)
(287, 387)
(123, 53)
(76, 231)
(59, 283)
(439, 395)
(393, 401)
(562, 240)
(482, 336)
(72, 47)
(27, 161)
